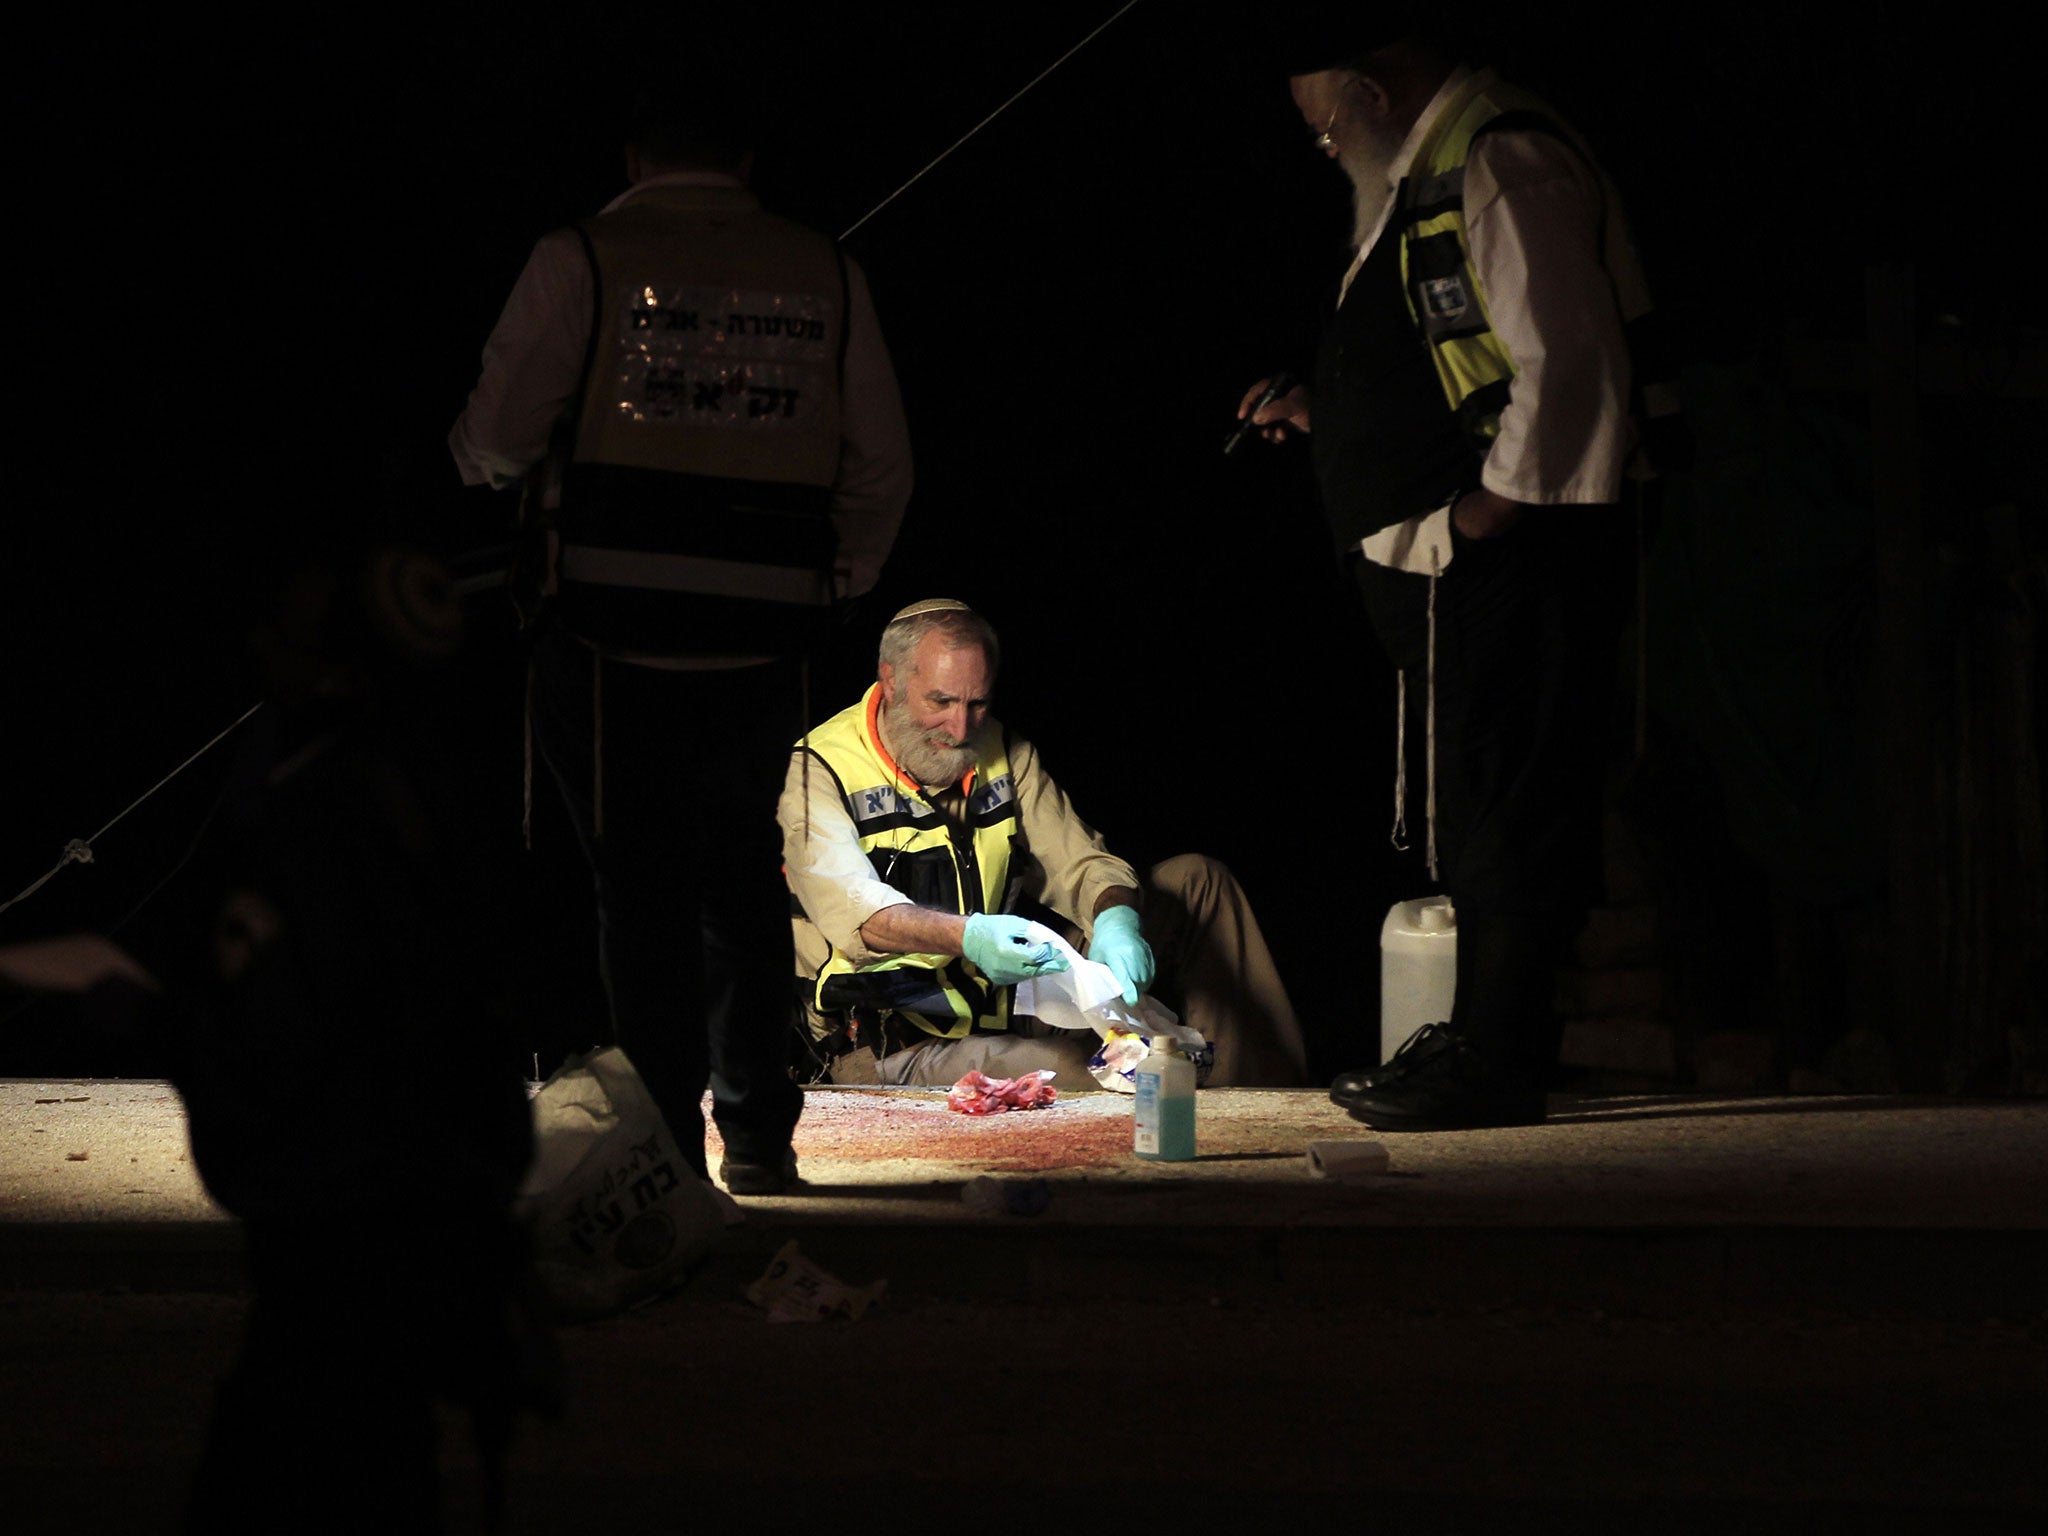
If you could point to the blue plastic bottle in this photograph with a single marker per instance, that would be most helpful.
(1163, 1121)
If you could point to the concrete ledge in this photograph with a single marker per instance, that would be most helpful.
(1656, 1202)
(1625, 1271)
(1404, 1270)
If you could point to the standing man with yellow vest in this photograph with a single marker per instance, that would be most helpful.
(1473, 413)
(918, 835)
(697, 399)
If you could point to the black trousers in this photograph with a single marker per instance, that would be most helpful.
(693, 915)
(1526, 631)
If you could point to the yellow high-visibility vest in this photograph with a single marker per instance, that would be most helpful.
(911, 844)
(1446, 299)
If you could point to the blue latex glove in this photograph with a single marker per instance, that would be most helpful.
(1120, 945)
(1009, 949)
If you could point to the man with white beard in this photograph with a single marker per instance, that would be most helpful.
(917, 832)
(1474, 410)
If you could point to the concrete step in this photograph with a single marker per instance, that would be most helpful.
(1661, 1202)
(1652, 1271)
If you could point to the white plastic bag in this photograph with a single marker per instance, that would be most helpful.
(1087, 995)
(614, 1213)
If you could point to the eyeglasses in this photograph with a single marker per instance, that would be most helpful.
(1323, 140)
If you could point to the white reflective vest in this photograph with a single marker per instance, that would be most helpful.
(694, 509)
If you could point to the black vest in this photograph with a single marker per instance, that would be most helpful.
(1386, 446)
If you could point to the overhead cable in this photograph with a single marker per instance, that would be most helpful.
(999, 111)
(79, 849)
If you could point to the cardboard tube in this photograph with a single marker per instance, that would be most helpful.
(1346, 1161)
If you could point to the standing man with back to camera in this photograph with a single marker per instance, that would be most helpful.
(698, 400)
(1474, 408)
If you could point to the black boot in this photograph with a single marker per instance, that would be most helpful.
(1443, 1084)
(1347, 1086)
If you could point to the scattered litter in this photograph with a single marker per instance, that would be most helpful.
(978, 1094)
(76, 1157)
(49, 1101)
(1115, 1062)
(795, 1290)
(1345, 1161)
(1006, 1197)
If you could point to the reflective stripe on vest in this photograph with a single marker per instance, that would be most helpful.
(910, 843)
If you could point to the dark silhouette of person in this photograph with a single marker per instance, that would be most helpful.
(311, 978)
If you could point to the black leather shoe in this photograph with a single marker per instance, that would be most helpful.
(1346, 1086)
(741, 1177)
(1446, 1089)
(1418, 1047)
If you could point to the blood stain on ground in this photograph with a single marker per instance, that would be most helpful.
(1085, 1131)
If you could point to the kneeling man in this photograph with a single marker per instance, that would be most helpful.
(918, 836)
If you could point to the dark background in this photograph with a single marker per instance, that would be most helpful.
(256, 269)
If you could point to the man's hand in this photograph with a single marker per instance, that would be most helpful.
(1009, 949)
(1481, 514)
(1119, 944)
(76, 962)
(1276, 416)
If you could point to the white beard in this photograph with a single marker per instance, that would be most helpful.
(930, 764)
(1368, 159)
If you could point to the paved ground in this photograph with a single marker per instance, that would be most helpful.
(114, 1152)
(1652, 1314)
